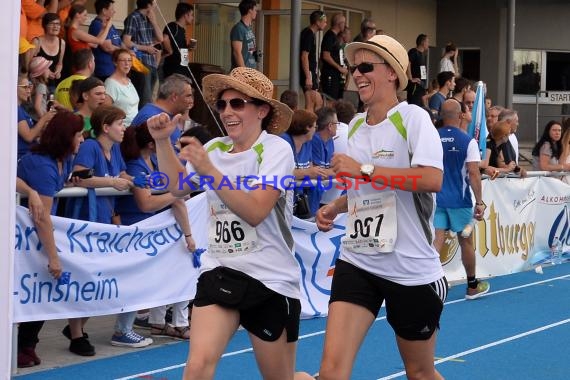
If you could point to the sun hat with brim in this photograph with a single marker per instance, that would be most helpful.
(38, 66)
(254, 84)
(389, 49)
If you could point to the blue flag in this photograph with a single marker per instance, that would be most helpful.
(478, 126)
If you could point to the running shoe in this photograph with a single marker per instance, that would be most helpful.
(482, 288)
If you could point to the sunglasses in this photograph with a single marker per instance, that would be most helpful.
(237, 104)
(365, 67)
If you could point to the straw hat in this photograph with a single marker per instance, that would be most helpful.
(38, 66)
(387, 48)
(253, 84)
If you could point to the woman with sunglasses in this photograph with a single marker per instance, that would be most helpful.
(249, 275)
(387, 252)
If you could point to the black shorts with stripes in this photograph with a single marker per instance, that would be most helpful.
(412, 311)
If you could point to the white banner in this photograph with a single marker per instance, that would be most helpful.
(115, 269)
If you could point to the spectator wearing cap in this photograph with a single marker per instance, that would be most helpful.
(91, 96)
(39, 74)
(25, 53)
(84, 66)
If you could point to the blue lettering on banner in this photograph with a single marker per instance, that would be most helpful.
(82, 240)
(35, 291)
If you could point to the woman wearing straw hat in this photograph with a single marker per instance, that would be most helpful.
(249, 275)
(387, 252)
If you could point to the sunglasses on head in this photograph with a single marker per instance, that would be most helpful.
(237, 104)
(364, 67)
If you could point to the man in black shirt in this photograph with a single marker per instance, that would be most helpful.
(417, 71)
(332, 68)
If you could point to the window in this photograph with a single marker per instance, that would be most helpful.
(557, 71)
(527, 72)
(539, 70)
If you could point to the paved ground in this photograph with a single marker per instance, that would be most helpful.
(53, 346)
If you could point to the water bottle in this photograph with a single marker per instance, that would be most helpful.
(50, 102)
(556, 251)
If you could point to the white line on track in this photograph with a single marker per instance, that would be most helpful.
(485, 346)
(316, 333)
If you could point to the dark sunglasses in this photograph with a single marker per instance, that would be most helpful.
(237, 104)
(365, 67)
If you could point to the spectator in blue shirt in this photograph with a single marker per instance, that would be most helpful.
(139, 151)
(299, 135)
(175, 96)
(52, 157)
(28, 132)
(322, 147)
(104, 66)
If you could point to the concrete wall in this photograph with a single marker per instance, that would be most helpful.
(483, 24)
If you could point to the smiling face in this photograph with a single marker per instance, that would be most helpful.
(25, 88)
(373, 85)
(242, 125)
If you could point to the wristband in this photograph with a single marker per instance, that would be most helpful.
(479, 204)
(189, 235)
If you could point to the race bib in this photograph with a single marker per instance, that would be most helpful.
(423, 72)
(183, 57)
(228, 234)
(371, 224)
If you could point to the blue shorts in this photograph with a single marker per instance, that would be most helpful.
(454, 219)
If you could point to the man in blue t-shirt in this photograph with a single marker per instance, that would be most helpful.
(454, 211)
(242, 38)
(175, 96)
(322, 148)
(446, 82)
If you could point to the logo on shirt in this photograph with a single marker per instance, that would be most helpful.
(384, 154)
